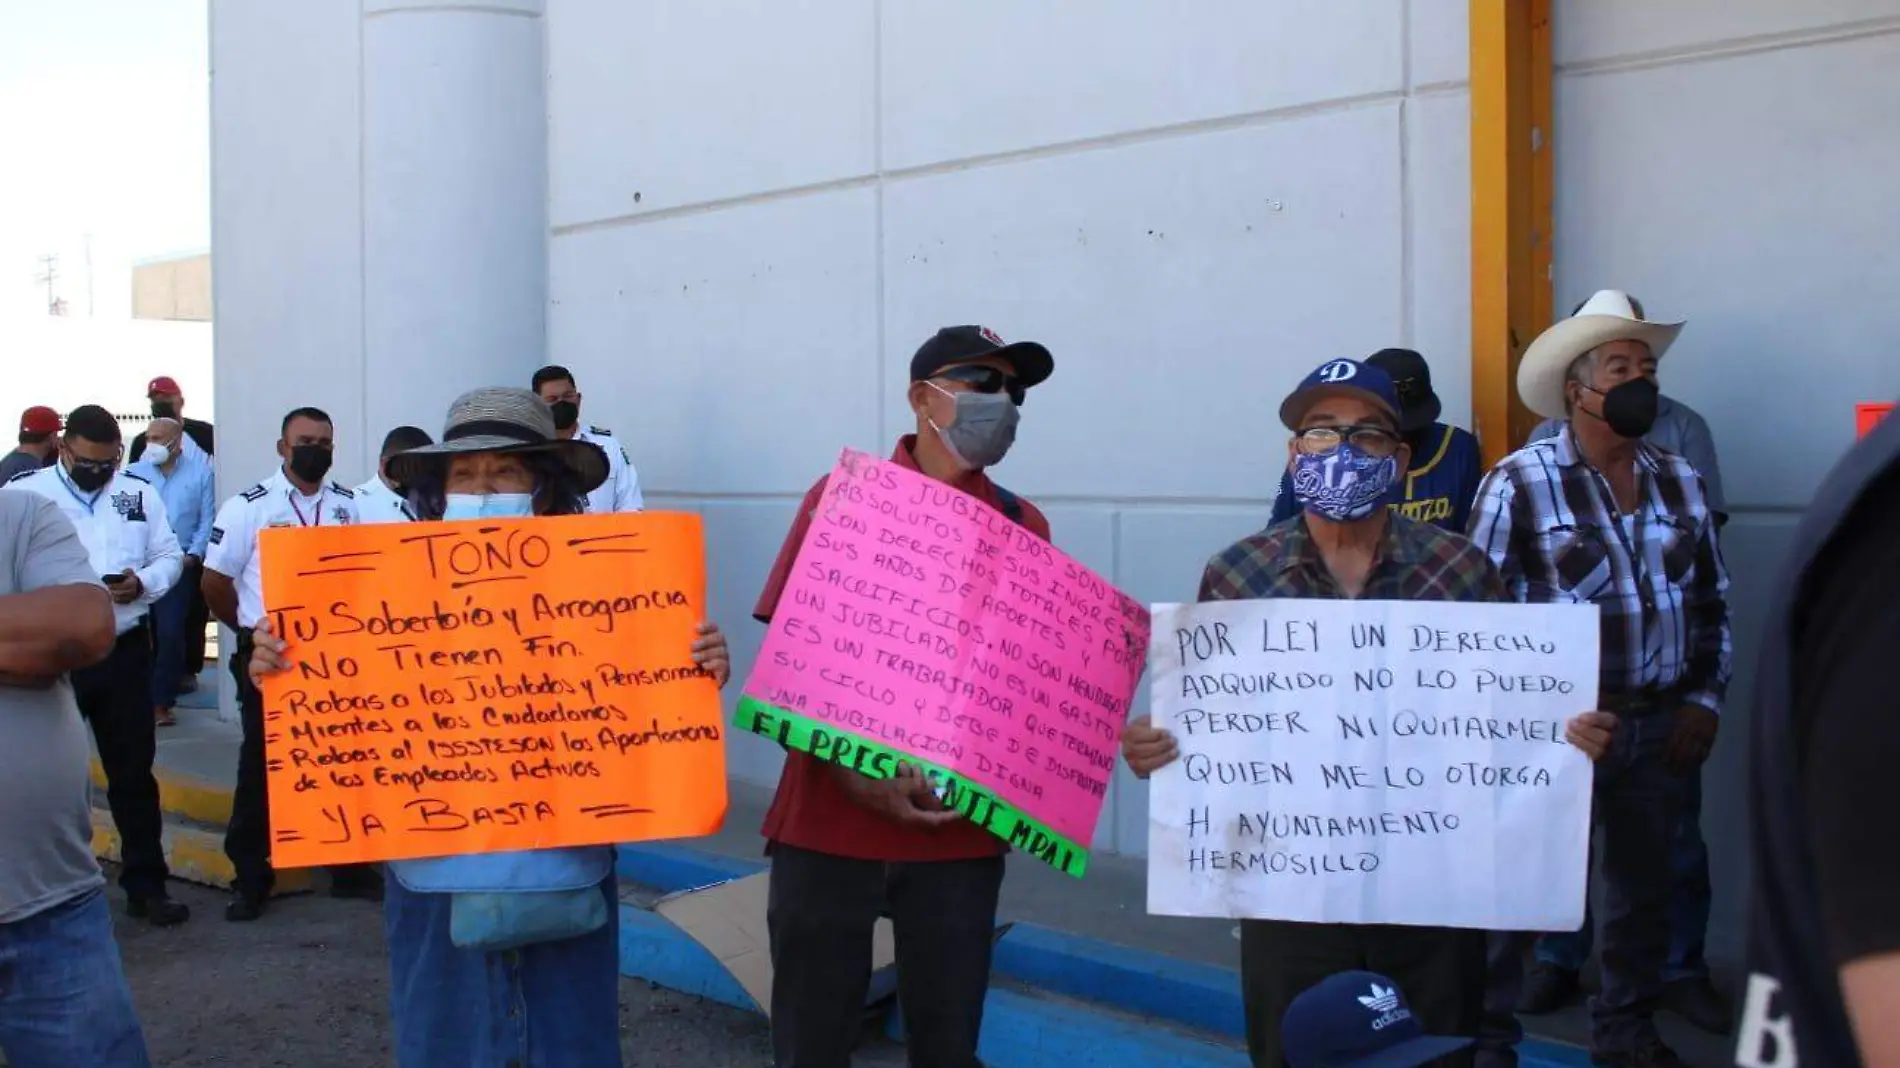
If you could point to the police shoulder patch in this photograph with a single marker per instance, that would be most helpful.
(255, 493)
(136, 477)
(217, 535)
(600, 431)
(23, 475)
(342, 490)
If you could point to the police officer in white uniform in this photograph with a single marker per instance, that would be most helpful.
(121, 522)
(621, 491)
(296, 496)
(379, 500)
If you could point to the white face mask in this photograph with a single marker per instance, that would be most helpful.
(160, 455)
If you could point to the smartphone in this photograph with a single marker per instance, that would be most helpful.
(113, 580)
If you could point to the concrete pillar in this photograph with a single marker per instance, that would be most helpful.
(454, 204)
(379, 217)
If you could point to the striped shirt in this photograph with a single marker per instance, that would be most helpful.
(1550, 523)
(1414, 562)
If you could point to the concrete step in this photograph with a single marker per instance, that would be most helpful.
(194, 854)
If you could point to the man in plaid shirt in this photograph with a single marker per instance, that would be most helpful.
(1595, 515)
(1345, 455)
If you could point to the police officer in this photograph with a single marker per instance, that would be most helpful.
(621, 491)
(121, 522)
(380, 500)
(296, 496)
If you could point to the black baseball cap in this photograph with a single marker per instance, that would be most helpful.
(961, 344)
(1358, 1020)
(1419, 407)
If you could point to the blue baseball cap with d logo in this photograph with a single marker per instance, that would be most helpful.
(1335, 377)
(1358, 1020)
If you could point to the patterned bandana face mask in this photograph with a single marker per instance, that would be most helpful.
(1344, 485)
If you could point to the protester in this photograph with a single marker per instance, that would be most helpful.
(1679, 428)
(621, 492)
(39, 444)
(845, 847)
(1824, 931)
(168, 402)
(1345, 455)
(554, 1001)
(1448, 462)
(121, 520)
(1596, 516)
(182, 473)
(1687, 989)
(380, 500)
(63, 996)
(296, 496)
(1359, 1020)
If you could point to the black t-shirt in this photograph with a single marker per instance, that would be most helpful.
(1847, 723)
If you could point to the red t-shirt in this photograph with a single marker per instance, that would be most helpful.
(811, 811)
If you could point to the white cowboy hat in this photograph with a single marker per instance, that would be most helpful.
(1608, 316)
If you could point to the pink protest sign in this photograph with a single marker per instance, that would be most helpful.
(921, 625)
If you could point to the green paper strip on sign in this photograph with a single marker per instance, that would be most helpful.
(974, 800)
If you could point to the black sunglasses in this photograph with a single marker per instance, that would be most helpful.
(982, 379)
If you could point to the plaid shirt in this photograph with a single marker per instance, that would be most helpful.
(1549, 522)
(1414, 562)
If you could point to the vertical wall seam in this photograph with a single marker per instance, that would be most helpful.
(880, 356)
(362, 226)
(1408, 209)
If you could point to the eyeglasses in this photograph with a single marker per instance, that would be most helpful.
(1374, 441)
(982, 379)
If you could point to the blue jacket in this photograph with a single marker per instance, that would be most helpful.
(1437, 489)
(189, 494)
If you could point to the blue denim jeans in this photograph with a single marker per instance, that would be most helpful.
(548, 1005)
(63, 998)
(1688, 896)
(168, 629)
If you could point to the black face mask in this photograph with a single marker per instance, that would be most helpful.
(164, 410)
(310, 462)
(566, 414)
(1630, 408)
(90, 476)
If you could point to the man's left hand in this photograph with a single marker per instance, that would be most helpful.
(1692, 738)
(128, 591)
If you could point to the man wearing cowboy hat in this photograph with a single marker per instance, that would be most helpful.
(1687, 990)
(1597, 516)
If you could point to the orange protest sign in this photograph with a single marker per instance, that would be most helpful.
(488, 685)
(1868, 415)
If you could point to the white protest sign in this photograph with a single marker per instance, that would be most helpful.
(1393, 762)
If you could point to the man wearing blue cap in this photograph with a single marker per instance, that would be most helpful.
(1346, 453)
(1359, 1020)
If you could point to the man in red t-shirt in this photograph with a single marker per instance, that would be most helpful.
(846, 848)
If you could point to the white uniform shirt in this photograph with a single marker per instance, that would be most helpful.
(122, 526)
(621, 491)
(273, 502)
(377, 503)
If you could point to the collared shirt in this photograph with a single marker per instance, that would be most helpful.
(1679, 429)
(1413, 562)
(123, 525)
(810, 810)
(273, 502)
(1550, 523)
(190, 501)
(377, 503)
(17, 463)
(621, 491)
(1437, 487)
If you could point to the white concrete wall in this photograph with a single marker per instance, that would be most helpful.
(759, 208)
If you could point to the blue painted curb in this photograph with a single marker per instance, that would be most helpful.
(1018, 1028)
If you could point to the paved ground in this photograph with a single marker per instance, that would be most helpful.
(307, 987)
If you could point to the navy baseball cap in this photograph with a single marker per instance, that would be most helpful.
(1350, 377)
(1358, 1020)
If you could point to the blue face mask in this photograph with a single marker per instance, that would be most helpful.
(488, 506)
(1343, 485)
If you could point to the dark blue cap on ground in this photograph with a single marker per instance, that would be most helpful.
(1336, 377)
(1358, 1020)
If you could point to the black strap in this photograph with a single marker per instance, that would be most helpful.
(497, 428)
(1012, 505)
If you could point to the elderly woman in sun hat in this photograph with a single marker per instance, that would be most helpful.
(503, 958)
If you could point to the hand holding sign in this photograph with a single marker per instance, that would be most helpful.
(448, 688)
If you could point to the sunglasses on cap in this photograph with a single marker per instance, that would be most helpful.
(982, 379)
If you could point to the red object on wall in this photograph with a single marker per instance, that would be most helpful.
(1866, 415)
